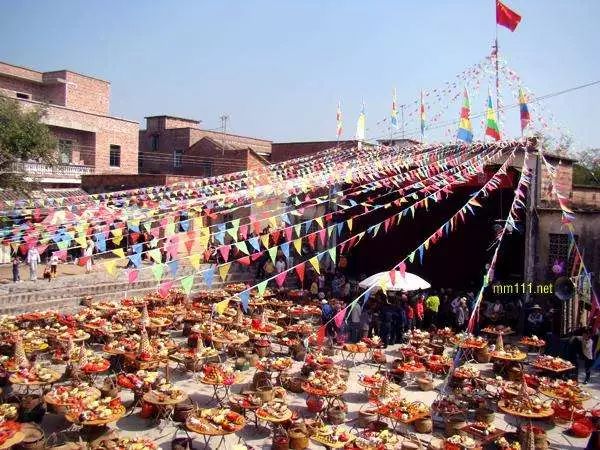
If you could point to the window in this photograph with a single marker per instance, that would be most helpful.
(115, 156)
(154, 142)
(559, 251)
(65, 151)
(177, 158)
(23, 96)
(207, 168)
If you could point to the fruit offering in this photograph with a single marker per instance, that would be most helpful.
(95, 364)
(325, 381)
(497, 329)
(275, 410)
(72, 394)
(217, 374)
(104, 409)
(8, 429)
(33, 375)
(8, 411)
(551, 363)
(462, 441)
(127, 443)
(533, 341)
(384, 439)
(278, 364)
(466, 371)
(138, 380)
(215, 421)
(470, 341)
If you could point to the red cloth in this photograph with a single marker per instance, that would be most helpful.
(410, 312)
(506, 16)
(420, 309)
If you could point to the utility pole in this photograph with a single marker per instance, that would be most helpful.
(224, 118)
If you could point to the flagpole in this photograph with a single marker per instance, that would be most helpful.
(497, 70)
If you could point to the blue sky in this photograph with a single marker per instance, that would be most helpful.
(278, 68)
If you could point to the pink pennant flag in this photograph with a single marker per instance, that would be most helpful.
(321, 234)
(402, 269)
(288, 233)
(244, 260)
(132, 276)
(164, 288)
(243, 230)
(280, 278)
(393, 277)
(339, 318)
(224, 250)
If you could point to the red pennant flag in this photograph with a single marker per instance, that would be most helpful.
(280, 278)
(206, 255)
(224, 250)
(311, 240)
(132, 276)
(393, 277)
(256, 226)
(134, 237)
(321, 335)
(164, 288)
(243, 230)
(506, 16)
(83, 260)
(288, 233)
(275, 235)
(244, 260)
(321, 234)
(300, 272)
(23, 248)
(189, 243)
(256, 256)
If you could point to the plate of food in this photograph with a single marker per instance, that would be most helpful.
(215, 421)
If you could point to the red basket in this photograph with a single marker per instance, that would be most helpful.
(582, 428)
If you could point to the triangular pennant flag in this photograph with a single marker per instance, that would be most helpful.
(224, 250)
(261, 287)
(241, 246)
(221, 306)
(173, 267)
(300, 272)
(339, 317)
(285, 249)
(245, 299)
(402, 269)
(136, 259)
(265, 240)
(132, 275)
(157, 271)
(111, 266)
(187, 283)
(273, 254)
(298, 246)
(255, 243)
(224, 270)
(349, 223)
(195, 260)
(208, 275)
(321, 335)
(119, 252)
(332, 254)
(165, 288)
(314, 261)
(280, 278)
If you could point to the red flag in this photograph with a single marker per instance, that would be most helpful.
(280, 278)
(300, 272)
(506, 16)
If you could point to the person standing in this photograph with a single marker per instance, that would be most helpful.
(419, 312)
(89, 251)
(433, 304)
(587, 351)
(33, 259)
(15, 269)
(53, 265)
(410, 315)
(355, 322)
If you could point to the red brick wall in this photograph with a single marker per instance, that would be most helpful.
(291, 150)
(10, 86)
(81, 93)
(94, 184)
(586, 197)
(21, 72)
(161, 160)
(107, 131)
(258, 145)
(563, 180)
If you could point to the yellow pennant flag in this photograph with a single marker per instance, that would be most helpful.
(319, 220)
(315, 263)
(119, 252)
(221, 306)
(349, 223)
(195, 260)
(155, 255)
(265, 240)
(197, 223)
(298, 245)
(111, 266)
(224, 270)
(81, 240)
(273, 222)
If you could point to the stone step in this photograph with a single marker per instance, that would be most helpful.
(71, 298)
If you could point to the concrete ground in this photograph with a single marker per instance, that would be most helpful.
(354, 397)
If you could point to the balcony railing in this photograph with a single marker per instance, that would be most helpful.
(58, 170)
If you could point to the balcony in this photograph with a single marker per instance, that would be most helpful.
(59, 173)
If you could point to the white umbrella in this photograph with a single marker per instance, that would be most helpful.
(408, 282)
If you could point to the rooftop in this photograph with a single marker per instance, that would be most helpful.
(36, 76)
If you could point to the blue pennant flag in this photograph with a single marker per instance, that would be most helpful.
(254, 243)
(136, 259)
(208, 276)
(137, 248)
(173, 266)
(285, 248)
(220, 237)
(245, 298)
(185, 224)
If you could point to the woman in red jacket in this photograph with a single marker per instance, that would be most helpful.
(420, 311)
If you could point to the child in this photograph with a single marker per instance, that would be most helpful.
(53, 265)
(15, 269)
(47, 273)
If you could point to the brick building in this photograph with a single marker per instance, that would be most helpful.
(90, 140)
(283, 151)
(174, 145)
